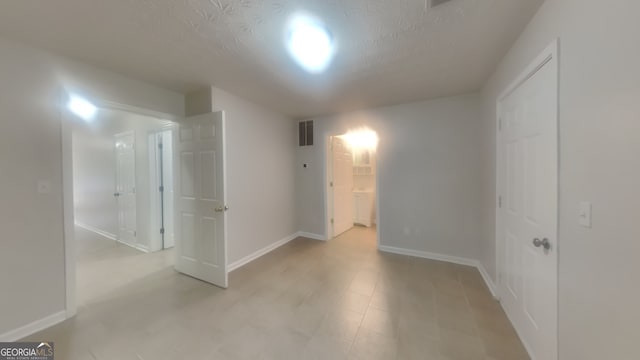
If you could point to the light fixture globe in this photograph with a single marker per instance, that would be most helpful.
(310, 43)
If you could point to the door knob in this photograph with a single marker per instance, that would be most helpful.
(542, 243)
(221, 208)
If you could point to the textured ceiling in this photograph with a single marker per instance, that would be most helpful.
(389, 51)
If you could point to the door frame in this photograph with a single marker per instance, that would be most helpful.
(66, 137)
(119, 239)
(549, 54)
(156, 242)
(328, 190)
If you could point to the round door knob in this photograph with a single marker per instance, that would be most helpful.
(542, 243)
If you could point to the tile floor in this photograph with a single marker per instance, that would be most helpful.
(306, 300)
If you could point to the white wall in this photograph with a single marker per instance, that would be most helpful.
(34, 86)
(94, 171)
(260, 156)
(429, 174)
(599, 162)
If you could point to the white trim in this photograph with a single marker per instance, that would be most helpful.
(446, 258)
(311, 236)
(66, 138)
(429, 255)
(488, 280)
(102, 233)
(265, 250)
(143, 248)
(34, 327)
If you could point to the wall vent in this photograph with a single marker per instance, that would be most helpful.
(433, 3)
(305, 133)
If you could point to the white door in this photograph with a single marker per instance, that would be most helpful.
(528, 282)
(125, 148)
(342, 185)
(199, 214)
(167, 184)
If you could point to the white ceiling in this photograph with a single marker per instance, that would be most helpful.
(389, 51)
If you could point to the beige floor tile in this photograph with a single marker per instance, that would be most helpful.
(307, 300)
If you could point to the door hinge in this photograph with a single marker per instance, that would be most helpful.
(135, 234)
(332, 221)
(331, 184)
(160, 146)
(499, 124)
(161, 188)
(162, 231)
(500, 202)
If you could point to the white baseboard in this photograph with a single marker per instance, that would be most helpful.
(103, 233)
(33, 327)
(311, 236)
(487, 279)
(143, 248)
(429, 255)
(445, 258)
(265, 250)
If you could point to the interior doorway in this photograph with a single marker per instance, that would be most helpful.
(352, 183)
(161, 181)
(113, 226)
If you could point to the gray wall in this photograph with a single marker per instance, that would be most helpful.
(429, 174)
(260, 172)
(32, 98)
(599, 162)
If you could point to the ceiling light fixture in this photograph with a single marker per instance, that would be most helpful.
(82, 107)
(310, 43)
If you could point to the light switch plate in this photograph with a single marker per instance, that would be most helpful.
(584, 214)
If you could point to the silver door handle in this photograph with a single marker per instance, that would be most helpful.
(221, 208)
(542, 243)
(116, 194)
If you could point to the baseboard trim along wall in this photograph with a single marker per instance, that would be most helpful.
(265, 250)
(33, 327)
(446, 258)
(103, 233)
(312, 236)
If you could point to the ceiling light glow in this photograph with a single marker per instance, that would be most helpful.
(82, 107)
(310, 43)
(361, 139)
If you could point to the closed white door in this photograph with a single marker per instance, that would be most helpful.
(125, 149)
(199, 213)
(528, 283)
(342, 185)
(167, 185)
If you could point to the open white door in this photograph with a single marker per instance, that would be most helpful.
(342, 185)
(528, 163)
(199, 215)
(125, 149)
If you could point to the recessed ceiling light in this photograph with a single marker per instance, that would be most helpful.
(82, 107)
(310, 43)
